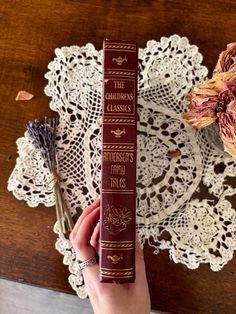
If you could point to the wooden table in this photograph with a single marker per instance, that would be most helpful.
(30, 31)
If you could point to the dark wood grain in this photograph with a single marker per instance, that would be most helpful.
(29, 32)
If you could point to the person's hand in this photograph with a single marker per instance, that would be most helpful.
(108, 298)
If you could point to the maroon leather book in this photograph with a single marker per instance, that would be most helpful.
(118, 181)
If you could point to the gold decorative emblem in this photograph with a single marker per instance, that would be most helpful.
(115, 258)
(119, 60)
(117, 245)
(116, 219)
(118, 132)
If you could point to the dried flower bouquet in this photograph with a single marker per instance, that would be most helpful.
(215, 100)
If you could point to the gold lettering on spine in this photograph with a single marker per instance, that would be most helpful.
(118, 169)
(119, 96)
(118, 157)
(119, 84)
(118, 183)
(118, 108)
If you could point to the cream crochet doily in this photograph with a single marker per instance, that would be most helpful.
(201, 229)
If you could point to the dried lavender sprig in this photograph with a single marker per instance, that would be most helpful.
(43, 135)
(66, 212)
(66, 216)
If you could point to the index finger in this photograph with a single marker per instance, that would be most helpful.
(85, 213)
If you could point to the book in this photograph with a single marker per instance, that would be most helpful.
(118, 175)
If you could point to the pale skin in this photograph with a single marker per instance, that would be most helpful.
(107, 298)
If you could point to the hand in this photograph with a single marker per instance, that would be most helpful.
(108, 298)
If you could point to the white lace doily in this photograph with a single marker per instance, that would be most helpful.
(169, 190)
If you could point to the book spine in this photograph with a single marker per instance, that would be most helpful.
(118, 180)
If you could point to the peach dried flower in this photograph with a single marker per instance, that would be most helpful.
(23, 95)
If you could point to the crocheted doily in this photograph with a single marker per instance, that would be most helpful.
(175, 163)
